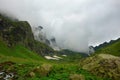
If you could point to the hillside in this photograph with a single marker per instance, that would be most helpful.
(18, 51)
(19, 63)
(22, 57)
(105, 62)
(14, 32)
(113, 47)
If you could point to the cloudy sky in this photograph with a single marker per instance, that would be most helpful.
(74, 23)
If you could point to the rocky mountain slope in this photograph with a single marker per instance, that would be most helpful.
(14, 32)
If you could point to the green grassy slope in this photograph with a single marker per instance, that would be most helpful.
(18, 57)
(18, 51)
(26, 65)
(113, 49)
(14, 32)
(106, 61)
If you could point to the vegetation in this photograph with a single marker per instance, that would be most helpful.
(112, 47)
(21, 58)
(19, 32)
(26, 65)
(103, 65)
(105, 62)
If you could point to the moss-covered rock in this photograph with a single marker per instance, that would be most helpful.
(43, 70)
(103, 65)
(32, 74)
(76, 77)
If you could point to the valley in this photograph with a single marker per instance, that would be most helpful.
(24, 58)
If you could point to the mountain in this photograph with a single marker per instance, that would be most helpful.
(91, 50)
(112, 47)
(14, 32)
(41, 36)
(106, 44)
(105, 62)
(21, 57)
(71, 53)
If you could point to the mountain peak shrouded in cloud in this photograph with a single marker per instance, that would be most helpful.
(75, 24)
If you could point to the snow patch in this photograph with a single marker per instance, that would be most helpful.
(53, 58)
(64, 55)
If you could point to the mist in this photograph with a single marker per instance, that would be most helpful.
(75, 24)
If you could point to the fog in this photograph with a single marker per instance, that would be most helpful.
(75, 24)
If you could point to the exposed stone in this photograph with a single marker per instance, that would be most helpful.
(32, 74)
(43, 70)
(76, 77)
(103, 65)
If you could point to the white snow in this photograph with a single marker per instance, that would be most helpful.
(64, 55)
(57, 57)
(53, 58)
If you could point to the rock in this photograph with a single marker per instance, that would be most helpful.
(43, 70)
(32, 74)
(6, 76)
(103, 65)
(76, 77)
(0, 19)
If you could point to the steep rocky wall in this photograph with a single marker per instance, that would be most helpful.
(19, 32)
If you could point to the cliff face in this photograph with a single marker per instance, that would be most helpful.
(14, 32)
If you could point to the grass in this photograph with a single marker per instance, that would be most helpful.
(19, 53)
(27, 62)
(28, 65)
(113, 49)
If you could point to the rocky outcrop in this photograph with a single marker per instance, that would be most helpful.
(19, 32)
(42, 70)
(91, 50)
(103, 65)
(40, 35)
(7, 71)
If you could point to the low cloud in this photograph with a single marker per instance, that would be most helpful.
(74, 23)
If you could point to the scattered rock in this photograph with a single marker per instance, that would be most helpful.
(76, 77)
(32, 74)
(43, 70)
(6, 76)
(7, 71)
